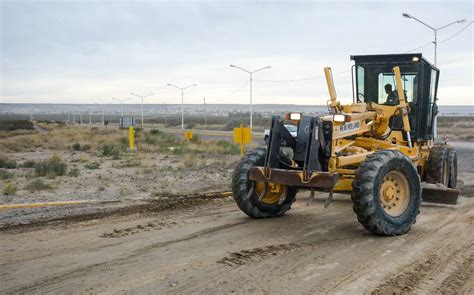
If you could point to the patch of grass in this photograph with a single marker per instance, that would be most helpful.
(92, 166)
(8, 164)
(11, 125)
(155, 132)
(86, 147)
(4, 174)
(51, 168)
(76, 146)
(74, 172)
(110, 150)
(9, 189)
(37, 185)
(29, 164)
(190, 161)
(196, 139)
(227, 147)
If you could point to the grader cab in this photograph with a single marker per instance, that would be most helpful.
(380, 149)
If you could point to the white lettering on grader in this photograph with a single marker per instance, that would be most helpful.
(349, 126)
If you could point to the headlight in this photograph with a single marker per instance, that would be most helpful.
(293, 116)
(339, 118)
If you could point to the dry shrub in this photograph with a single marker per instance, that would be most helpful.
(51, 168)
(37, 185)
(9, 189)
(60, 138)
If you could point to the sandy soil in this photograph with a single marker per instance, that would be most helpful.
(209, 246)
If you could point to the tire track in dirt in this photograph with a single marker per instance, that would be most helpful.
(441, 259)
(236, 259)
(459, 279)
(37, 286)
(152, 225)
(424, 239)
(154, 205)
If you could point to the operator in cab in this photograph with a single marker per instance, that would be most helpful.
(392, 98)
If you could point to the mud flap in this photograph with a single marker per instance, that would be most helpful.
(440, 194)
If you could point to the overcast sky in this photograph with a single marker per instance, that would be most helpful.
(90, 51)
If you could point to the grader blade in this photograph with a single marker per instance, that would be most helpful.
(440, 194)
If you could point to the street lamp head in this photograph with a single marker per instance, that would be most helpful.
(406, 15)
(232, 66)
(461, 21)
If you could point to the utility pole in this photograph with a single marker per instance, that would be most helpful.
(90, 117)
(435, 30)
(251, 81)
(166, 113)
(205, 112)
(80, 115)
(74, 118)
(142, 97)
(182, 100)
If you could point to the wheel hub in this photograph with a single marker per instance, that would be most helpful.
(274, 192)
(389, 193)
(394, 193)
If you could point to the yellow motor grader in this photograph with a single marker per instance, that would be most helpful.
(380, 149)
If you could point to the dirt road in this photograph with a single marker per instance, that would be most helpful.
(212, 247)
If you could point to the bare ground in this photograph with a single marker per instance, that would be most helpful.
(210, 247)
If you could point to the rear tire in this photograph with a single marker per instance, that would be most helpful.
(437, 166)
(387, 193)
(241, 186)
(453, 168)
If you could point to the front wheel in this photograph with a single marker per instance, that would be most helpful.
(387, 193)
(249, 194)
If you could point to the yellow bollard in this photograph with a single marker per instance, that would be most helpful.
(131, 138)
(242, 140)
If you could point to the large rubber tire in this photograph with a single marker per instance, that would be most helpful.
(437, 166)
(453, 168)
(366, 196)
(241, 186)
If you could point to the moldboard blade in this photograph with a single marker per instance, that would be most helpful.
(440, 194)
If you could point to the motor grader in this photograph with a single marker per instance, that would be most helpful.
(380, 149)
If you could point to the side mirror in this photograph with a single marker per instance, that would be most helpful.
(435, 109)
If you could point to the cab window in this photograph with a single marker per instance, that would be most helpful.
(410, 86)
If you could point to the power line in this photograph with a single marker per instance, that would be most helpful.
(301, 79)
(424, 45)
(240, 88)
(449, 38)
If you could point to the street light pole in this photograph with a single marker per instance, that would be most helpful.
(251, 82)
(121, 102)
(205, 112)
(182, 100)
(435, 30)
(142, 97)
